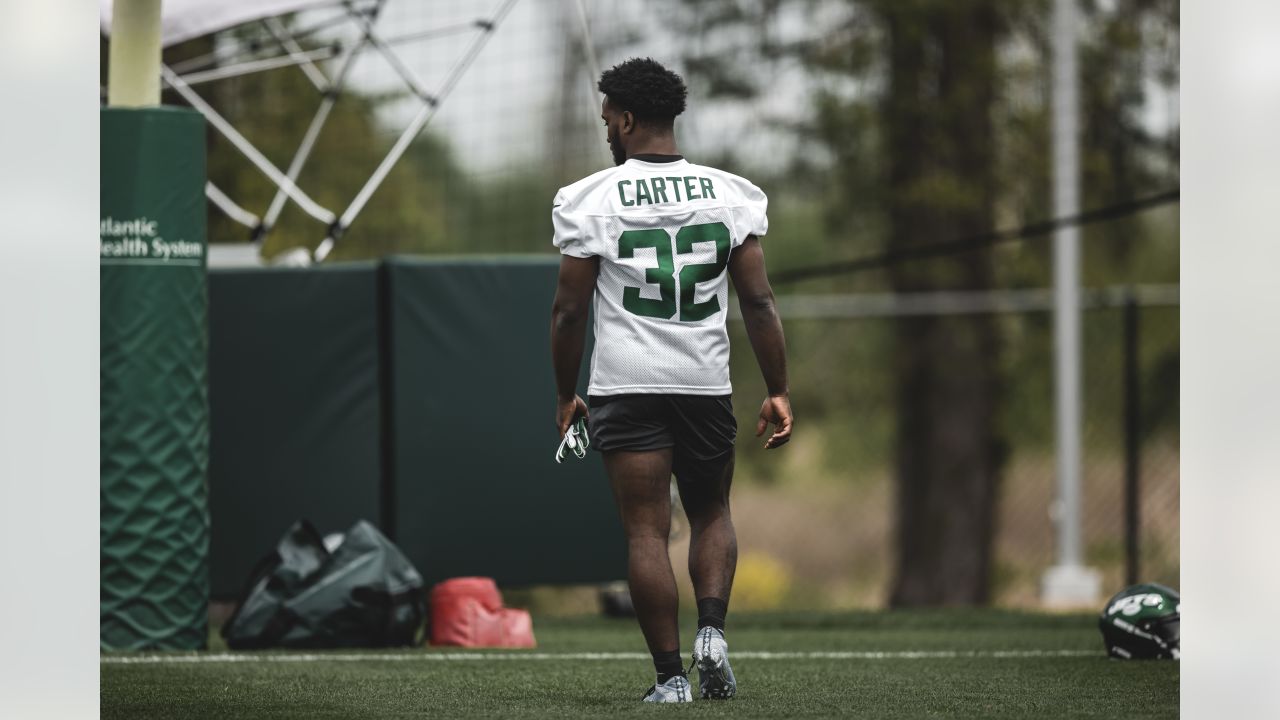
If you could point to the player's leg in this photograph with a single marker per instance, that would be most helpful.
(703, 465)
(713, 557)
(713, 544)
(704, 432)
(641, 484)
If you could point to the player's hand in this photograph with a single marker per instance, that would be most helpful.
(567, 411)
(776, 410)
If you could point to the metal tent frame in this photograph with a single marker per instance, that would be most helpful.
(227, 62)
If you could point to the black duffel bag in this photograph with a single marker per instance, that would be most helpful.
(364, 593)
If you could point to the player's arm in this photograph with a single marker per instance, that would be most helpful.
(764, 329)
(569, 332)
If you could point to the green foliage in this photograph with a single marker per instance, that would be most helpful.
(830, 201)
(827, 202)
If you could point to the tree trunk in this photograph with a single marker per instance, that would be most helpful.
(937, 116)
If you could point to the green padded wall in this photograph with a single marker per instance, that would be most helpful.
(154, 528)
(476, 488)
(293, 373)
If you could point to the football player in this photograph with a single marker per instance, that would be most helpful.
(651, 245)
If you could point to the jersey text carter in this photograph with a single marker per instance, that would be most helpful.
(654, 190)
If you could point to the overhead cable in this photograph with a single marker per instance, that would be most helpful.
(973, 242)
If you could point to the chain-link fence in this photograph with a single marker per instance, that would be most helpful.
(817, 520)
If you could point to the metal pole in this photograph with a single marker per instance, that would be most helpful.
(246, 148)
(318, 121)
(262, 65)
(589, 50)
(291, 46)
(233, 50)
(229, 206)
(406, 75)
(402, 143)
(1132, 439)
(442, 31)
(1066, 281)
(1068, 583)
(593, 66)
(133, 79)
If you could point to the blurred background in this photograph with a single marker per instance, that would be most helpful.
(922, 469)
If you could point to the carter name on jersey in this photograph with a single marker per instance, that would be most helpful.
(654, 190)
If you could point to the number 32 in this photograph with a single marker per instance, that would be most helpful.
(664, 275)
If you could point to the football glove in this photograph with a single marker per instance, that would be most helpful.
(575, 441)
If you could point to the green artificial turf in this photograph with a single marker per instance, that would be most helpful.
(977, 682)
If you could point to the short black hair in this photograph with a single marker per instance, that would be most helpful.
(646, 88)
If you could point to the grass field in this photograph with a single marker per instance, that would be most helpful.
(945, 663)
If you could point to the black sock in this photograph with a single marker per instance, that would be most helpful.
(667, 664)
(711, 612)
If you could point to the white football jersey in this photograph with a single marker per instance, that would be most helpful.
(663, 232)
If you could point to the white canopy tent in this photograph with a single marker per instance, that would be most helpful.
(183, 20)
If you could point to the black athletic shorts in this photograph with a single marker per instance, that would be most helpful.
(700, 429)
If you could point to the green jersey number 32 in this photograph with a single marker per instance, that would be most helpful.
(664, 275)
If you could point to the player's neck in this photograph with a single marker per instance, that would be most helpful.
(654, 145)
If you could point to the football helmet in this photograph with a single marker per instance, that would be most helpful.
(1141, 622)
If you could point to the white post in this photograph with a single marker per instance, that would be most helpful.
(589, 50)
(133, 79)
(1068, 583)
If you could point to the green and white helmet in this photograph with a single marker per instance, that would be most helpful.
(1141, 622)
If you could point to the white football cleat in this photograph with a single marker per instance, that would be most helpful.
(711, 655)
(674, 690)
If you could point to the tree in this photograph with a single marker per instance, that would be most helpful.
(920, 153)
(933, 120)
(940, 182)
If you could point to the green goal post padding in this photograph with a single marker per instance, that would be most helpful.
(154, 533)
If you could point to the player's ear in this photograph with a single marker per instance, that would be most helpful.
(628, 121)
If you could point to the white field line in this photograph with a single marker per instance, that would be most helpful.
(472, 656)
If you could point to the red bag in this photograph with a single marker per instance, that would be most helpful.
(468, 612)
